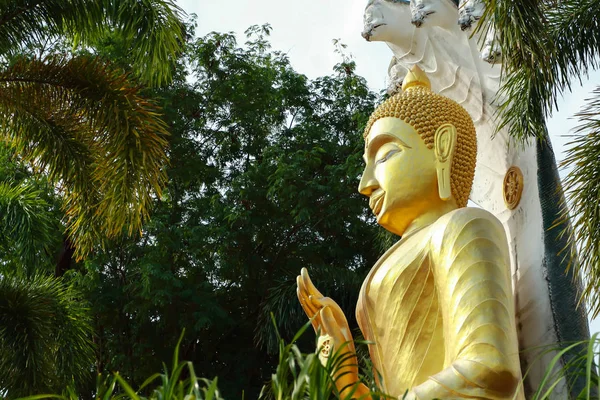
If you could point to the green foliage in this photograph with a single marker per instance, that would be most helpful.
(545, 46)
(81, 120)
(152, 28)
(29, 218)
(25, 226)
(583, 358)
(82, 123)
(303, 376)
(582, 204)
(44, 336)
(264, 165)
(530, 79)
(172, 385)
(298, 375)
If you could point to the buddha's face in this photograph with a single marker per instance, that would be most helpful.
(400, 174)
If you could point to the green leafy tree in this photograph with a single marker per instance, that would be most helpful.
(264, 166)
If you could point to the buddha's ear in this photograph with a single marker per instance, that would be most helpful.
(444, 147)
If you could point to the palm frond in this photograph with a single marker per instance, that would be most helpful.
(45, 336)
(529, 75)
(583, 199)
(23, 21)
(152, 28)
(155, 33)
(25, 221)
(545, 45)
(575, 30)
(83, 123)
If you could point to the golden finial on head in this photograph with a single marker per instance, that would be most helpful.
(415, 78)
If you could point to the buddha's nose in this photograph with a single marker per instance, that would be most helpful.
(368, 183)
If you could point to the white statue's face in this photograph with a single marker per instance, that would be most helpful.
(388, 21)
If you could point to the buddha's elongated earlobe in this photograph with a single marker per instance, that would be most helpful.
(444, 147)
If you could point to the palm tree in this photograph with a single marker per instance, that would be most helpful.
(27, 230)
(82, 121)
(546, 46)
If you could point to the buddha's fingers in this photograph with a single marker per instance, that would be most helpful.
(333, 306)
(304, 297)
(310, 287)
(307, 306)
(330, 326)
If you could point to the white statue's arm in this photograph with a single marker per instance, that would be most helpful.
(471, 261)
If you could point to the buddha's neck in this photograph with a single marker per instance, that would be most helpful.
(429, 217)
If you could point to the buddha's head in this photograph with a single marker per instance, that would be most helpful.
(420, 153)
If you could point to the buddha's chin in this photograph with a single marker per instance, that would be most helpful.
(390, 223)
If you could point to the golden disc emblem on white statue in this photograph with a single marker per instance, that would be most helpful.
(513, 187)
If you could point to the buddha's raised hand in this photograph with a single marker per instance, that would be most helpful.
(326, 315)
(331, 325)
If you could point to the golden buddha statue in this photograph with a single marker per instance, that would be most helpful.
(438, 306)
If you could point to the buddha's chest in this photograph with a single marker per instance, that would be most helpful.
(400, 275)
(398, 272)
(398, 310)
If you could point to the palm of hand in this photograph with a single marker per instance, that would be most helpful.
(328, 320)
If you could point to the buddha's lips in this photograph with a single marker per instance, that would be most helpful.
(376, 201)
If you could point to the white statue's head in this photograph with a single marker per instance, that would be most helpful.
(387, 21)
(394, 21)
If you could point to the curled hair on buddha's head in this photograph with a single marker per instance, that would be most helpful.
(426, 111)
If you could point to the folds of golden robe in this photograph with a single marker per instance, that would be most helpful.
(439, 308)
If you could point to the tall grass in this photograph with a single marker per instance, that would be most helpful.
(579, 373)
(301, 376)
(180, 383)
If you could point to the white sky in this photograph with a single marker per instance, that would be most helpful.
(305, 29)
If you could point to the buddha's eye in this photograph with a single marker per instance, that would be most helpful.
(386, 152)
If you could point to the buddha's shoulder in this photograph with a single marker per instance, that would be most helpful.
(465, 224)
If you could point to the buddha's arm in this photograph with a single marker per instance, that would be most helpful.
(472, 269)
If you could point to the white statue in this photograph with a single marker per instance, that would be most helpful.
(462, 64)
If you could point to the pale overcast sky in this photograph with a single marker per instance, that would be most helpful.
(305, 29)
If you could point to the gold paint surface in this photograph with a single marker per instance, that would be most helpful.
(513, 187)
(439, 308)
(438, 305)
(416, 78)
